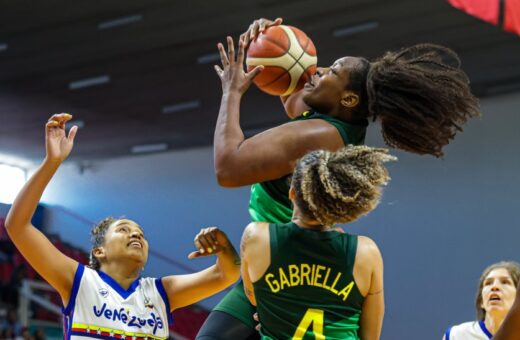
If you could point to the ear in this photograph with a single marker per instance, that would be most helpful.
(349, 99)
(99, 253)
(292, 193)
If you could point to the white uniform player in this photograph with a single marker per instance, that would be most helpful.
(473, 330)
(100, 308)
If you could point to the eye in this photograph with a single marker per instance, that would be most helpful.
(333, 71)
(123, 229)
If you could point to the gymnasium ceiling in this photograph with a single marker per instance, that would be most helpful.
(155, 53)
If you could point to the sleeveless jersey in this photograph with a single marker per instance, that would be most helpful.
(308, 291)
(100, 308)
(473, 330)
(270, 201)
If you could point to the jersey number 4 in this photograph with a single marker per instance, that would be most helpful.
(314, 316)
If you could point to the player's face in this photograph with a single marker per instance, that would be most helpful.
(325, 90)
(125, 238)
(498, 291)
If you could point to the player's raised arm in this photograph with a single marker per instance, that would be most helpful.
(55, 268)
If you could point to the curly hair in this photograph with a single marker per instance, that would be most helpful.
(512, 267)
(97, 238)
(339, 187)
(421, 96)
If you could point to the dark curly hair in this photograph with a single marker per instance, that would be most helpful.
(420, 94)
(339, 187)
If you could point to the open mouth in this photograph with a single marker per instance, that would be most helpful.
(494, 298)
(136, 244)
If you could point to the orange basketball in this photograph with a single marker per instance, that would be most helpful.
(289, 59)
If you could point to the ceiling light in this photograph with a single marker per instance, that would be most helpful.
(184, 106)
(208, 58)
(145, 148)
(354, 29)
(120, 22)
(12, 179)
(88, 82)
(3, 47)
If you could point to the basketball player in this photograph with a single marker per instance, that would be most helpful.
(110, 300)
(420, 95)
(495, 296)
(307, 279)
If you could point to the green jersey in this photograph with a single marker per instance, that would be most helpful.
(308, 291)
(270, 200)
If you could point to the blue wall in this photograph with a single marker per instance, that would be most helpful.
(439, 224)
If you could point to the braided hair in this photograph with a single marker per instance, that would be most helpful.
(421, 96)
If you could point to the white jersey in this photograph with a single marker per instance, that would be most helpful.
(100, 308)
(473, 330)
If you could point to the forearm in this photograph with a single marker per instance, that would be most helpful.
(228, 133)
(227, 266)
(27, 200)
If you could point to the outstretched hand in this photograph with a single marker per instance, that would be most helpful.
(57, 144)
(232, 73)
(209, 241)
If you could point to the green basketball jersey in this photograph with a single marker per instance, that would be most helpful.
(308, 291)
(270, 200)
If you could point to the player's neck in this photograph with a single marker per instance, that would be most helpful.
(303, 222)
(347, 116)
(122, 274)
(493, 321)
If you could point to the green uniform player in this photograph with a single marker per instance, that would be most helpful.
(309, 295)
(307, 279)
(419, 95)
(270, 203)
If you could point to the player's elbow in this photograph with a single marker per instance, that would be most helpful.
(11, 225)
(227, 174)
(225, 179)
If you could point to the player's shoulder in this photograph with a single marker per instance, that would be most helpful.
(463, 331)
(367, 246)
(368, 254)
(255, 230)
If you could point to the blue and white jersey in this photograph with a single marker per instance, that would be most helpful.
(100, 308)
(473, 330)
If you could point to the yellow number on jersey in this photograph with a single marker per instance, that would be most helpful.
(314, 316)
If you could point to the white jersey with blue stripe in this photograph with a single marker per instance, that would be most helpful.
(473, 330)
(100, 308)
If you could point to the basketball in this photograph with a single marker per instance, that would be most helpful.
(288, 56)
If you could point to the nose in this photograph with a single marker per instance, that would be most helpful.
(321, 71)
(495, 286)
(135, 233)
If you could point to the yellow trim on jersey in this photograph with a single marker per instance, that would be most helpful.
(114, 331)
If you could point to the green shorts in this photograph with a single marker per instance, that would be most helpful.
(236, 304)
